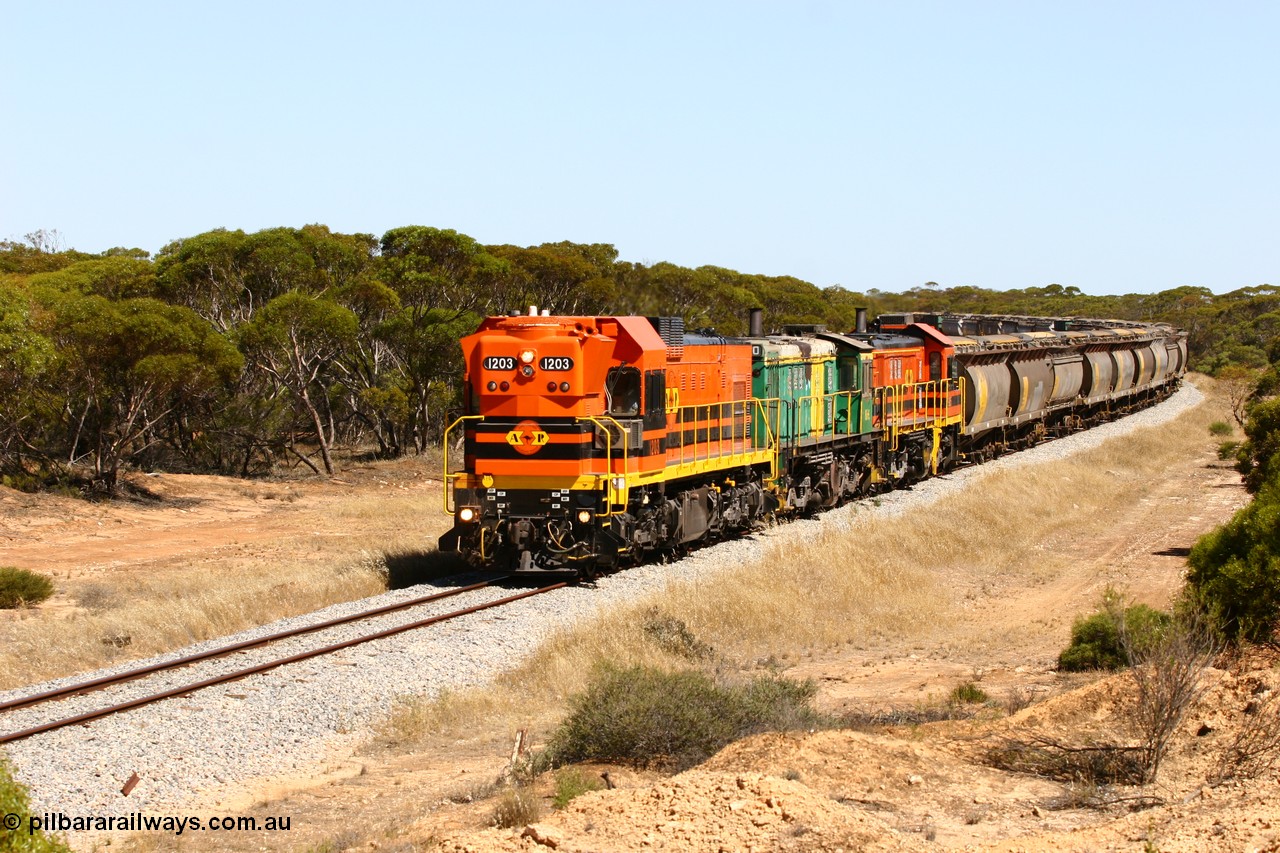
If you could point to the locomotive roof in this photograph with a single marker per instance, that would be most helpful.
(859, 344)
(885, 340)
(701, 339)
(785, 346)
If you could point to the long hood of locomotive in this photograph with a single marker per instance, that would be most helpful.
(550, 367)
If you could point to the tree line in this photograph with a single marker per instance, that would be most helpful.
(236, 352)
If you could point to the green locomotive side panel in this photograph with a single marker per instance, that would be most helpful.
(867, 392)
(860, 370)
(848, 399)
(794, 378)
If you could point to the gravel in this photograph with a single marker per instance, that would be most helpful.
(292, 719)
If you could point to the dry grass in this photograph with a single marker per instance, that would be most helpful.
(898, 579)
(153, 615)
(332, 549)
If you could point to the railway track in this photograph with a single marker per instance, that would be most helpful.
(109, 681)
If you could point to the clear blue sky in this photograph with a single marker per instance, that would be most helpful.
(1114, 146)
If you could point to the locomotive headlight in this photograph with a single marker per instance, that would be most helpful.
(466, 514)
(526, 369)
(584, 515)
(526, 356)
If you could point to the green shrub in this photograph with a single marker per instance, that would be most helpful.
(1259, 457)
(571, 783)
(13, 801)
(645, 716)
(1097, 641)
(1228, 450)
(968, 694)
(1219, 428)
(1234, 576)
(22, 482)
(19, 587)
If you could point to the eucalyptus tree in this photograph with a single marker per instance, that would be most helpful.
(39, 251)
(665, 288)
(123, 366)
(296, 339)
(791, 300)
(445, 281)
(115, 276)
(555, 277)
(226, 276)
(26, 356)
(373, 379)
(438, 269)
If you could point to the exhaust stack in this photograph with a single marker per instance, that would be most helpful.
(756, 323)
(860, 326)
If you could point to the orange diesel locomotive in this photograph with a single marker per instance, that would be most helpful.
(577, 429)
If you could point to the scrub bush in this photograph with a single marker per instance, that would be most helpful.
(648, 717)
(19, 587)
(1258, 459)
(571, 783)
(1098, 640)
(968, 694)
(1235, 571)
(516, 807)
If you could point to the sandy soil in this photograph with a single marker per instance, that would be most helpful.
(930, 786)
(187, 515)
(175, 522)
(913, 787)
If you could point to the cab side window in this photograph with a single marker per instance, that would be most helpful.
(622, 384)
(655, 399)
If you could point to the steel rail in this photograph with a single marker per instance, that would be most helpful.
(269, 665)
(253, 670)
(130, 675)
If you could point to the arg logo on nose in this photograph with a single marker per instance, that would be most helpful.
(527, 438)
